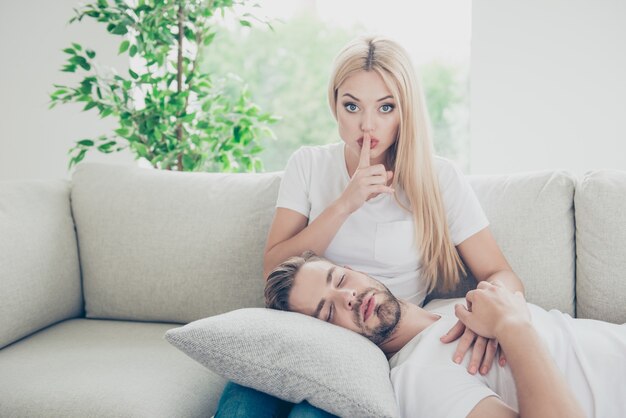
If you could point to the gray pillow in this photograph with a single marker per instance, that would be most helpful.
(293, 357)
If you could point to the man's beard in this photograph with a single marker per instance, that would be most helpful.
(388, 313)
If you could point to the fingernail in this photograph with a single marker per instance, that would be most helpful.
(472, 370)
(457, 360)
(484, 370)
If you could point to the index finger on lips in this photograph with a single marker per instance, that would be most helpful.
(364, 159)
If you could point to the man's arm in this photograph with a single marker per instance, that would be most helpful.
(495, 312)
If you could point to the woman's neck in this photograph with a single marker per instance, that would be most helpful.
(413, 320)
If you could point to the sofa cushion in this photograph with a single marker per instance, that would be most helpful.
(600, 203)
(294, 357)
(95, 368)
(39, 273)
(531, 216)
(169, 246)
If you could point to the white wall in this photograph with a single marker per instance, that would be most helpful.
(34, 141)
(548, 85)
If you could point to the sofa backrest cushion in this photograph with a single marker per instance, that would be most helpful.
(169, 246)
(39, 270)
(531, 216)
(600, 203)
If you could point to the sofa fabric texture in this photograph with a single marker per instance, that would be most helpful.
(532, 218)
(99, 368)
(293, 357)
(600, 202)
(170, 246)
(93, 272)
(39, 270)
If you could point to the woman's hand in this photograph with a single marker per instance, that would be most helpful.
(492, 308)
(367, 181)
(484, 351)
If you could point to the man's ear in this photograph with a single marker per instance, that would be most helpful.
(347, 267)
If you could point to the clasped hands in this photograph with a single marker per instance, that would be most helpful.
(489, 308)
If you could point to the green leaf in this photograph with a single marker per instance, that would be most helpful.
(77, 47)
(90, 105)
(119, 29)
(90, 53)
(86, 142)
(245, 23)
(69, 51)
(77, 59)
(123, 47)
(141, 149)
(209, 38)
(188, 163)
(133, 50)
(133, 74)
(122, 132)
(106, 147)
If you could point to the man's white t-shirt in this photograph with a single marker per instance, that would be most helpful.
(378, 238)
(590, 354)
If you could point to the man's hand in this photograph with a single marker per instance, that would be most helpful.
(483, 353)
(493, 307)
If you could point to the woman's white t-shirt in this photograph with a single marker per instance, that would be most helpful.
(378, 238)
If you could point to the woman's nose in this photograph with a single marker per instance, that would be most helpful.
(367, 122)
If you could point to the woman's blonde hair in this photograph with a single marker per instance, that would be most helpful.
(411, 156)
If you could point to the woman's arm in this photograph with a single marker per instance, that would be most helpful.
(482, 255)
(289, 234)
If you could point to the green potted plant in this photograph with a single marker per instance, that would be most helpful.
(169, 112)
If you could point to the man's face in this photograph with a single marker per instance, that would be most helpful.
(346, 298)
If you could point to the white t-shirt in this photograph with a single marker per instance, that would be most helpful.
(379, 237)
(590, 354)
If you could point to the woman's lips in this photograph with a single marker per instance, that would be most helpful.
(373, 142)
(369, 304)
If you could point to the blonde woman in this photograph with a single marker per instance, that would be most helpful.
(380, 202)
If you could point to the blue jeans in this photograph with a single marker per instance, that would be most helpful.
(242, 402)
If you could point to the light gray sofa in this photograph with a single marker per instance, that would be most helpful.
(94, 271)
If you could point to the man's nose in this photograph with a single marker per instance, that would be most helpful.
(347, 298)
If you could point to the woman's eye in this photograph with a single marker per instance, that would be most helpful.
(330, 314)
(386, 108)
(351, 107)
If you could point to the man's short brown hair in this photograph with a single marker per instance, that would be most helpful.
(280, 280)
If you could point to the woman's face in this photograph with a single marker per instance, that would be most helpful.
(365, 104)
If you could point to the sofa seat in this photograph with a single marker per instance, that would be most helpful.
(87, 367)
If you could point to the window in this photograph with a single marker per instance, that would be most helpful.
(287, 69)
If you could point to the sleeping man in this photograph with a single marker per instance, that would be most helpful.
(557, 366)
